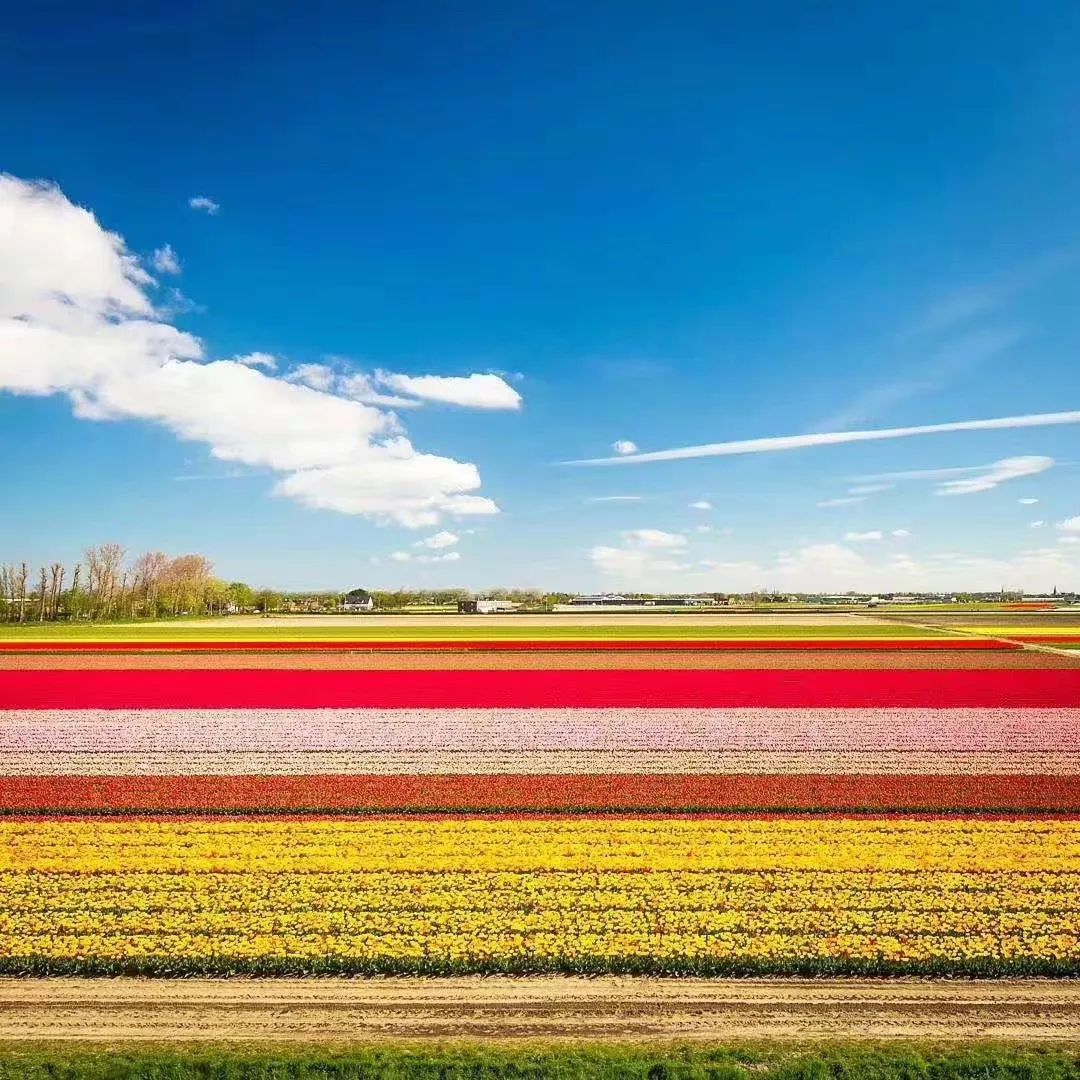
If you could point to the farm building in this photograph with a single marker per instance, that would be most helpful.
(486, 607)
(358, 600)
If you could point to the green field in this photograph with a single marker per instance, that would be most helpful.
(572, 1062)
(458, 630)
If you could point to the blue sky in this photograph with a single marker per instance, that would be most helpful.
(671, 225)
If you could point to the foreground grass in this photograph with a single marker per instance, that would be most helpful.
(452, 631)
(589, 1062)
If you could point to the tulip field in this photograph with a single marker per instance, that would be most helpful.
(757, 800)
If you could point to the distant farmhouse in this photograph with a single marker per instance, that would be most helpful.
(486, 607)
(358, 600)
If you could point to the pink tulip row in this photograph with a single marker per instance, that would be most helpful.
(793, 730)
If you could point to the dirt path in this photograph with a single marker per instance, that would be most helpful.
(613, 1009)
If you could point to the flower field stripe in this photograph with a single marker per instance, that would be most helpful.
(375, 730)
(514, 792)
(733, 644)
(523, 763)
(662, 895)
(212, 689)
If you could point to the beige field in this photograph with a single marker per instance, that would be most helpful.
(608, 1009)
(280, 622)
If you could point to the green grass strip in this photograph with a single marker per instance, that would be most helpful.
(545, 1062)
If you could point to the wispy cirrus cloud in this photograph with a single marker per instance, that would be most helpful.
(778, 443)
(971, 479)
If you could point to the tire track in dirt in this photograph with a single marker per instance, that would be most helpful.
(609, 1009)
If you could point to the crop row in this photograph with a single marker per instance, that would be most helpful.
(376, 730)
(626, 792)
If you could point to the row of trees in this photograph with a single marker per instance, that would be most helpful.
(105, 585)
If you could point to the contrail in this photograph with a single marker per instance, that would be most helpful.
(830, 438)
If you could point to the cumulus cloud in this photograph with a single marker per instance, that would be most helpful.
(901, 533)
(76, 319)
(361, 387)
(624, 446)
(654, 538)
(257, 359)
(633, 564)
(164, 260)
(1070, 525)
(701, 504)
(443, 539)
(776, 443)
(863, 537)
(1069, 539)
(201, 202)
(317, 376)
(839, 567)
(473, 391)
(408, 556)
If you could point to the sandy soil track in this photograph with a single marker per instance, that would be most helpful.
(613, 1009)
(548, 661)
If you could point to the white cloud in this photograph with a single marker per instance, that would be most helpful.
(164, 260)
(633, 564)
(901, 534)
(1027, 502)
(317, 376)
(1069, 539)
(473, 391)
(449, 556)
(257, 359)
(998, 473)
(776, 443)
(1070, 525)
(76, 319)
(439, 540)
(703, 528)
(400, 556)
(869, 489)
(701, 504)
(614, 498)
(843, 500)
(360, 387)
(201, 202)
(862, 537)
(1037, 524)
(624, 446)
(654, 538)
(970, 479)
(839, 568)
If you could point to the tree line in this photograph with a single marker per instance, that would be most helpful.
(104, 585)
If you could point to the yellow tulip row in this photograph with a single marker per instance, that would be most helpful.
(573, 893)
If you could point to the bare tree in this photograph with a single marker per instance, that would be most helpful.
(43, 595)
(56, 586)
(24, 577)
